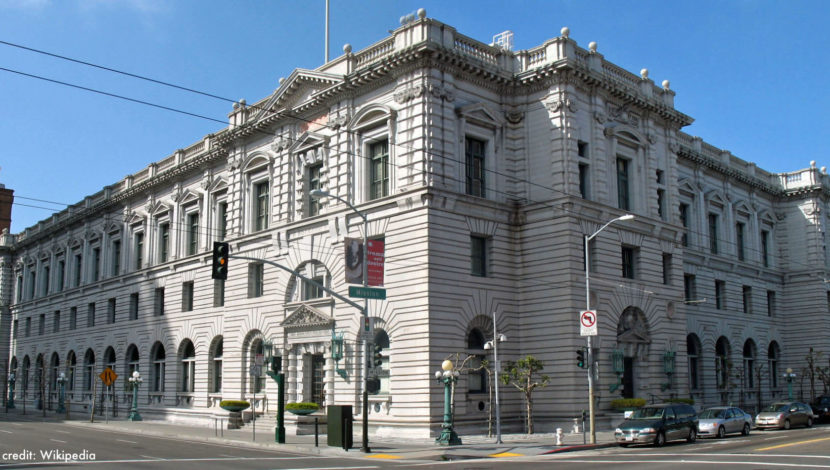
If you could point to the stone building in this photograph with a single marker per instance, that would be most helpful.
(482, 170)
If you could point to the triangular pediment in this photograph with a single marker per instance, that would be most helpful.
(481, 114)
(301, 86)
(308, 140)
(307, 317)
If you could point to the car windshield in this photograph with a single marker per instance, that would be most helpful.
(647, 413)
(712, 414)
(777, 407)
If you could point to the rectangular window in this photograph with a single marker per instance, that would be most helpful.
(20, 289)
(256, 284)
(192, 233)
(41, 325)
(747, 296)
(475, 158)
(45, 276)
(478, 255)
(90, 315)
(261, 206)
(720, 295)
(312, 291)
(314, 182)
(134, 306)
(629, 262)
(713, 233)
(164, 242)
(158, 302)
(667, 262)
(583, 180)
(765, 248)
(96, 264)
(582, 149)
(111, 310)
(661, 203)
(379, 169)
(78, 270)
(60, 275)
(222, 220)
(689, 289)
(138, 250)
(739, 240)
(73, 318)
(187, 296)
(28, 327)
(684, 220)
(770, 303)
(15, 326)
(56, 322)
(32, 283)
(218, 293)
(623, 190)
(116, 258)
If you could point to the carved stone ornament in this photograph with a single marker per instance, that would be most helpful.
(441, 92)
(674, 147)
(408, 94)
(280, 143)
(652, 139)
(514, 117)
(555, 106)
(205, 183)
(600, 117)
(234, 163)
(633, 327)
(307, 317)
(337, 122)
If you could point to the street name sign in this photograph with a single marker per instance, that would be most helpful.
(367, 292)
(588, 323)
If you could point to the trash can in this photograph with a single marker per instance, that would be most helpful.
(339, 426)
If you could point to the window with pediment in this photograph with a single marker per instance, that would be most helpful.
(481, 127)
(375, 168)
(258, 201)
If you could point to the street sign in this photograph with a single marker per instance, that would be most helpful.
(367, 292)
(587, 323)
(256, 371)
(108, 376)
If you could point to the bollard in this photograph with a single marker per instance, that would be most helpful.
(576, 426)
(316, 433)
(559, 436)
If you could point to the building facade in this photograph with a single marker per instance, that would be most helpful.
(482, 170)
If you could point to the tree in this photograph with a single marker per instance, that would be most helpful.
(521, 374)
(812, 371)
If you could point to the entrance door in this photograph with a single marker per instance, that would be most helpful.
(318, 374)
(628, 377)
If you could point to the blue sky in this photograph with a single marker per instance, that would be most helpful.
(753, 74)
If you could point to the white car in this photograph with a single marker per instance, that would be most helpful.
(719, 421)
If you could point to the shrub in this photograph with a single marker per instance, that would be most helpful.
(627, 403)
(302, 406)
(234, 403)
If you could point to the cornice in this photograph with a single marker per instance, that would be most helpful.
(731, 173)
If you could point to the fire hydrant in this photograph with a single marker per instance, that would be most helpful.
(559, 436)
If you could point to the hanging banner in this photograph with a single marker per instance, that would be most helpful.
(354, 261)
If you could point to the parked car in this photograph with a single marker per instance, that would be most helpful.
(657, 424)
(783, 415)
(722, 420)
(821, 408)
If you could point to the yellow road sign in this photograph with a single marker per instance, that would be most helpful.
(108, 376)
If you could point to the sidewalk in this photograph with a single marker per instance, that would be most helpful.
(474, 446)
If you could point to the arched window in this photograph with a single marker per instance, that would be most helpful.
(723, 365)
(693, 355)
(477, 378)
(215, 364)
(54, 371)
(132, 360)
(773, 355)
(187, 366)
(26, 366)
(381, 341)
(38, 382)
(71, 364)
(109, 359)
(157, 356)
(750, 351)
(257, 351)
(89, 369)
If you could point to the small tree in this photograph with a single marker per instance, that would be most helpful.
(521, 374)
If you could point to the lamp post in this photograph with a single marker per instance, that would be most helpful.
(135, 381)
(447, 376)
(494, 345)
(588, 238)
(61, 380)
(789, 375)
(10, 401)
(318, 194)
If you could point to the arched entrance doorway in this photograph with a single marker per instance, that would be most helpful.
(633, 341)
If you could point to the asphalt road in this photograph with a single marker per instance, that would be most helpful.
(32, 444)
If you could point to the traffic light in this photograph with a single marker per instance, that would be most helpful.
(580, 358)
(377, 357)
(220, 261)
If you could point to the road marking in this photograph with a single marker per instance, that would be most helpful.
(56, 440)
(794, 443)
(506, 454)
(62, 432)
(776, 437)
(150, 457)
(7, 432)
(698, 462)
(383, 456)
(128, 442)
(226, 455)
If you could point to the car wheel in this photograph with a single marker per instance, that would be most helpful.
(745, 431)
(786, 424)
(721, 432)
(692, 435)
(809, 422)
(660, 440)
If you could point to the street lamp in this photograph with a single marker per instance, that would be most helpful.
(588, 238)
(447, 376)
(494, 345)
(135, 381)
(318, 194)
(789, 375)
(61, 380)
(10, 401)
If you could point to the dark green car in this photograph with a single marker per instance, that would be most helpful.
(658, 424)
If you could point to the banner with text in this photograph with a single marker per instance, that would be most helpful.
(354, 261)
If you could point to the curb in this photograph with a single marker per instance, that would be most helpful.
(578, 448)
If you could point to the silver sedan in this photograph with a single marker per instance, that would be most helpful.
(722, 420)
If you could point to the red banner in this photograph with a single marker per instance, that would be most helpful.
(354, 261)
